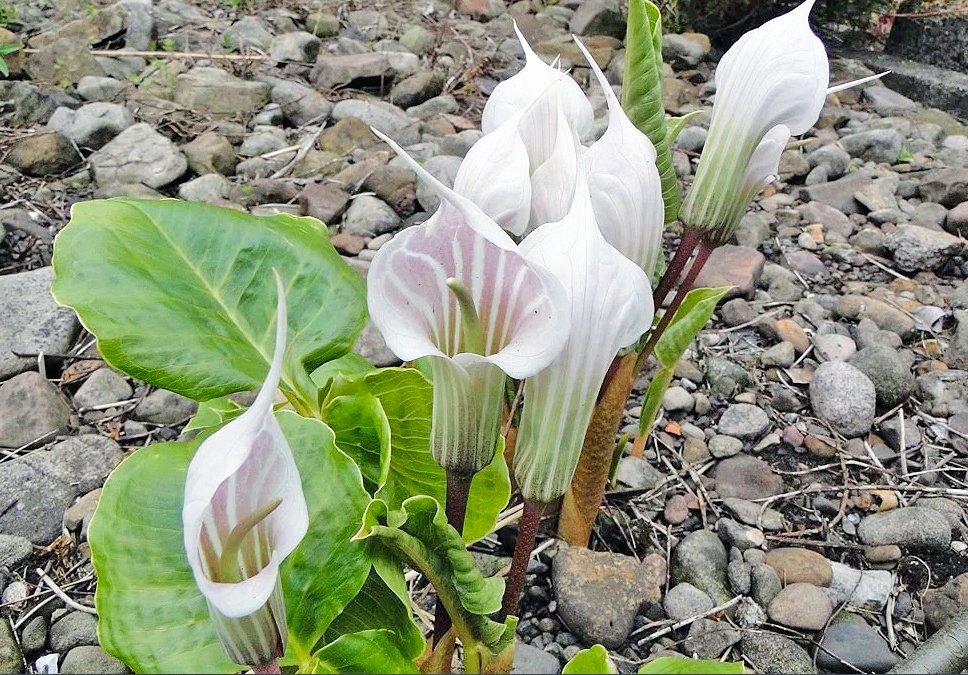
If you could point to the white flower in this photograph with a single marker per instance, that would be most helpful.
(624, 183)
(611, 307)
(244, 512)
(456, 291)
(770, 85)
(521, 172)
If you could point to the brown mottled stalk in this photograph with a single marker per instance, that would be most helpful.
(579, 508)
(458, 489)
(267, 668)
(580, 505)
(527, 532)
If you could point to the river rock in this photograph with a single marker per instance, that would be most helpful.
(799, 565)
(599, 594)
(700, 559)
(32, 322)
(912, 526)
(746, 477)
(850, 639)
(892, 378)
(844, 397)
(37, 488)
(32, 412)
(139, 154)
(802, 606)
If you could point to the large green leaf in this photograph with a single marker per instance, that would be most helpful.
(419, 534)
(593, 660)
(670, 665)
(370, 651)
(181, 295)
(152, 615)
(406, 399)
(378, 606)
(642, 93)
(694, 312)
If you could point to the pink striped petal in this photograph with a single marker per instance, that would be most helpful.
(520, 307)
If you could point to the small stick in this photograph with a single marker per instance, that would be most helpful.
(117, 53)
(527, 531)
(688, 620)
(70, 602)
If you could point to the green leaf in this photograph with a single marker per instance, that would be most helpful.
(673, 665)
(592, 660)
(377, 606)
(675, 125)
(214, 413)
(653, 398)
(642, 93)
(406, 398)
(349, 365)
(181, 295)
(152, 615)
(694, 312)
(418, 533)
(4, 69)
(327, 569)
(362, 432)
(370, 651)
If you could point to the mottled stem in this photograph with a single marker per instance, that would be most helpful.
(527, 531)
(687, 244)
(705, 249)
(458, 488)
(271, 667)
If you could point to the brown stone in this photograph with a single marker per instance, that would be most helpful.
(676, 510)
(324, 201)
(884, 315)
(788, 330)
(348, 244)
(43, 154)
(940, 604)
(599, 594)
(746, 477)
(736, 266)
(210, 152)
(801, 606)
(883, 554)
(346, 136)
(799, 565)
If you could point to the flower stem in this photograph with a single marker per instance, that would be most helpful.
(702, 255)
(268, 668)
(458, 489)
(527, 531)
(687, 244)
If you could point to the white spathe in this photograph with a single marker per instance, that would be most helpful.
(611, 307)
(770, 85)
(244, 511)
(624, 183)
(521, 320)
